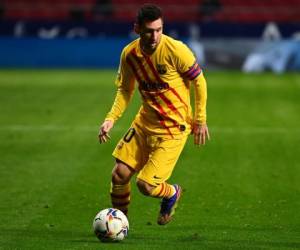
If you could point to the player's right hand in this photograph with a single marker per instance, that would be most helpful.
(104, 129)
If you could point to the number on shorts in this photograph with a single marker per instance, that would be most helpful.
(129, 135)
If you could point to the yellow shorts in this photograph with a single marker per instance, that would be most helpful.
(153, 157)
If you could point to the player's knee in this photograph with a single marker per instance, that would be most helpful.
(116, 178)
(144, 187)
(119, 178)
(121, 174)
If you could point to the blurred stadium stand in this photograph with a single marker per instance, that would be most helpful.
(223, 26)
(175, 10)
(217, 18)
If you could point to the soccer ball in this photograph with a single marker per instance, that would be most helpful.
(110, 224)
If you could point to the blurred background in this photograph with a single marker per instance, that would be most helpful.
(252, 36)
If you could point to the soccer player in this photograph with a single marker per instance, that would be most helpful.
(163, 70)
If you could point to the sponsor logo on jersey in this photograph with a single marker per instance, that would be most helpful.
(154, 86)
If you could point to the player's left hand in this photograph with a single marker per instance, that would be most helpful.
(201, 134)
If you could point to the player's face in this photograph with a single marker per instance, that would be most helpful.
(150, 34)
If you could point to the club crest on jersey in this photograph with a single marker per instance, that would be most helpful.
(162, 69)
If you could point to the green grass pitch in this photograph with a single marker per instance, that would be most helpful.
(241, 191)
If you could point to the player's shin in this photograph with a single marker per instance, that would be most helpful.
(120, 196)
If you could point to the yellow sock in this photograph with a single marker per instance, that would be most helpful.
(120, 196)
(164, 190)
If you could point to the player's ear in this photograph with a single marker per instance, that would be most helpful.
(136, 28)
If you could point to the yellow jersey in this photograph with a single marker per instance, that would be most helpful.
(163, 80)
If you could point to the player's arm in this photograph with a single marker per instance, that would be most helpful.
(190, 71)
(125, 89)
(200, 129)
(122, 99)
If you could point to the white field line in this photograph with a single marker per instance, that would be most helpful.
(64, 128)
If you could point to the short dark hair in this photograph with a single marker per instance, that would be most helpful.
(148, 12)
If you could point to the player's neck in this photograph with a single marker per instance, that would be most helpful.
(147, 51)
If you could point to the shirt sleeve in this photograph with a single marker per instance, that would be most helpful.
(200, 99)
(125, 87)
(189, 69)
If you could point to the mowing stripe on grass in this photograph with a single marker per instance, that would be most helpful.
(225, 130)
